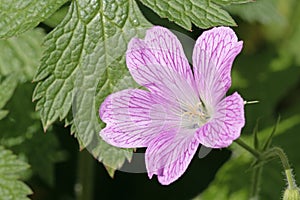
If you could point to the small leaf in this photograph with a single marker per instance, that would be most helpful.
(256, 140)
(11, 169)
(202, 13)
(19, 16)
(269, 140)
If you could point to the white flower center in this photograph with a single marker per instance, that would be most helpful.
(195, 116)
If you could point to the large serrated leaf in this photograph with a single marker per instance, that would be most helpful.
(202, 13)
(91, 40)
(19, 16)
(11, 168)
(20, 55)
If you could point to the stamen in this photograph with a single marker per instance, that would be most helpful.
(195, 116)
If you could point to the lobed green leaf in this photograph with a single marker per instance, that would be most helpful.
(80, 55)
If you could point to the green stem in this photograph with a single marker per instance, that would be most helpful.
(290, 179)
(256, 177)
(84, 187)
(254, 152)
(280, 153)
(276, 151)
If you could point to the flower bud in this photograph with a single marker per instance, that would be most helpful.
(291, 194)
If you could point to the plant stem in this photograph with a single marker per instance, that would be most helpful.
(270, 153)
(256, 177)
(254, 152)
(285, 163)
(280, 153)
(84, 187)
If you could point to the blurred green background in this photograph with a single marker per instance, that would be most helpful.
(267, 70)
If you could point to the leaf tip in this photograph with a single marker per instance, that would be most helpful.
(46, 126)
(81, 148)
(110, 171)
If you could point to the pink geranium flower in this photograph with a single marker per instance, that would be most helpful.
(182, 106)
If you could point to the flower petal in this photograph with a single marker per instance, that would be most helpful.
(213, 56)
(225, 125)
(159, 64)
(133, 117)
(168, 156)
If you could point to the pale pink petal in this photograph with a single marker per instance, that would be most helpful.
(169, 155)
(225, 124)
(159, 64)
(214, 53)
(133, 117)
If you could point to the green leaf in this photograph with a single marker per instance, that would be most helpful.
(81, 51)
(202, 13)
(115, 78)
(21, 131)
(268, 142)
(7, 88)
(256, 142)
(3, 113)
(20, 55)
(19, 58)
(57, 17)
(19, 16)
(11, 169)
